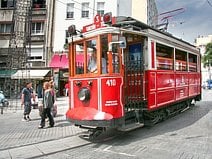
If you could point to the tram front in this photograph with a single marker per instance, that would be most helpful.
(96, 79)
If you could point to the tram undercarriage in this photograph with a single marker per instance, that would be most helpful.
(133, 119)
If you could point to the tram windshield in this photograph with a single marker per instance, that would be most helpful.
(91, 55)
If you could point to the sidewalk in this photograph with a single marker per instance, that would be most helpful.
(18, 137)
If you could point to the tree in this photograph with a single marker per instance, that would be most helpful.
(207, 57)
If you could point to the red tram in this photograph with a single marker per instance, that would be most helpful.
(140, 75)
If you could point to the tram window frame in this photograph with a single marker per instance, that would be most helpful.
(116, 53)
(164, 57)
(192, 62)
(79, 66)
(181, 61)
(88, 47)
(103, 53)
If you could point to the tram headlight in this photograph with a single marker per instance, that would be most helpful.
(84, 94)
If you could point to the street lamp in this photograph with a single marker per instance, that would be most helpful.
(209, 68)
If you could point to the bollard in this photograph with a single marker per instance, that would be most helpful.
(1, 110)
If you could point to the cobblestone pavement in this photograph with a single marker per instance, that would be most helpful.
(15, 133)
(189, 132)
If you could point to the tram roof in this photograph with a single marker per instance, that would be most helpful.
(129, 24)
(123, 22)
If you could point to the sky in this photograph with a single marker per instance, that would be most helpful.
(194, 20)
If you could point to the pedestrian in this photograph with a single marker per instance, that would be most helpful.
(39, 90)
(26, 96)
(48, 102)
(67, 88)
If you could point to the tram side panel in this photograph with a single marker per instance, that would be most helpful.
(166, 87)
(181, 80)
(160, 88)
(194, 84)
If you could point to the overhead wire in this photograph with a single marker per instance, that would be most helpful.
(77, 3)
(210, 4)
(81, 4)
(66, 4)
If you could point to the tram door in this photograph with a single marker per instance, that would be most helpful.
(134, 77)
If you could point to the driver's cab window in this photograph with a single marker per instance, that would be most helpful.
(91, 56)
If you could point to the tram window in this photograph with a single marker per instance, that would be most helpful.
(79, 59)
(192, 63)
(181, 60)
(135, 53)
(116, 60)
(91, 56)
(164, 56)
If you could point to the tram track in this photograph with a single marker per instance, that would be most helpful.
(40, 142)
(53, 146)
(44, 148)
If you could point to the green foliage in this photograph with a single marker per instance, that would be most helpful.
(207, 58)
(65, 46)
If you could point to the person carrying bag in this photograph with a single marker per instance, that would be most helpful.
(48, 103)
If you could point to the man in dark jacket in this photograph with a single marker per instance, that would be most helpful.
(26, 96)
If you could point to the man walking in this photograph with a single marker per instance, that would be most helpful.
(26, 95)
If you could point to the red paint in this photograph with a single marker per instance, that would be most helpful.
(105, 102)
(87, 113)
(165, 87)
(93, 102)
(111, 96)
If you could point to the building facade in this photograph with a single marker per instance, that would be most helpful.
(26, 28)
(201, 43)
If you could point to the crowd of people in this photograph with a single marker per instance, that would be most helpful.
(48, 100)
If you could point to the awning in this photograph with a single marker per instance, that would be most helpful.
(6, 73)
(30, 74)
(59, 61)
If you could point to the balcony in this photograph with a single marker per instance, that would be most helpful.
(39, 11)
(37, 38)
(6, 15)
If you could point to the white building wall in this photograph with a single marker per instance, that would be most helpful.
(62, 23)
(124, 8)
(137, 9)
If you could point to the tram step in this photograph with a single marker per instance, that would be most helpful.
(131, 126)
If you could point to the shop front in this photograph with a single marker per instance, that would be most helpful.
(59, 65)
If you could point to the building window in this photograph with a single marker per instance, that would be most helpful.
(100, 8)
(85, 10)
(37, 28)
(5, 28)
(7, 3)
(38, 4)
(70, 10)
